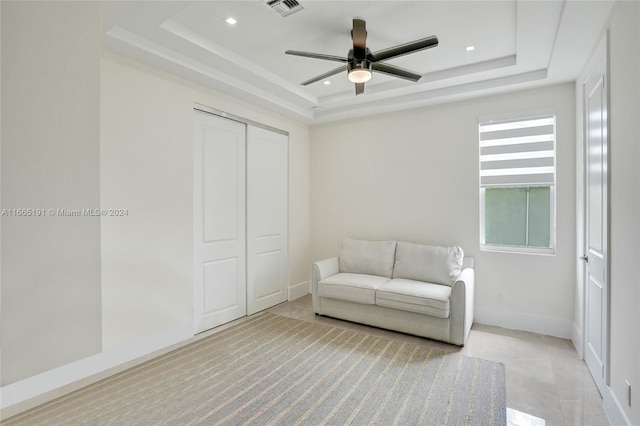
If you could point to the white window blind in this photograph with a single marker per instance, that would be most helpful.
(518, 152)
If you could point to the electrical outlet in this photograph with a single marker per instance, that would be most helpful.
(500, 297)
(628, 392)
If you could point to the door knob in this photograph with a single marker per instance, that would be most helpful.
(584, 257)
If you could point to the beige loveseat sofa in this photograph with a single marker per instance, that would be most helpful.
(417, 289)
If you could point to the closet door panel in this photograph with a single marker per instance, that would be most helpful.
(219, 220)
(267, 218)
(220, 184)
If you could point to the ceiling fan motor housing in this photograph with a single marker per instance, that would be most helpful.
(355, 64)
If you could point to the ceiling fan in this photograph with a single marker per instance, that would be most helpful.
(360, 61)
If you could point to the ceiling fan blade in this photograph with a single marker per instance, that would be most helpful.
(325, 75)
(316, 56)
(359, 36)
(395, 71)
(404, 49)
(359, 88)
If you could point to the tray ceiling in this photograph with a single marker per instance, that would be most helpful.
(517, 44)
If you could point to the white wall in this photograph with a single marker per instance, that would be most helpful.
(86, 128)
(146, 167)
(0, 189)
(414, 176)
(624, 175)
(50, 159)
(624, 211)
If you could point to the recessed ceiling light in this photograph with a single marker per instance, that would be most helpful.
(326, 82)
(470, 48)
(231, 21)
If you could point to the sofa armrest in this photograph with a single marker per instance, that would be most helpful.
(462, 300)
(325, 268)
(319, 271)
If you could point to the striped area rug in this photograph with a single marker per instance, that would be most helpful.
(276, 370)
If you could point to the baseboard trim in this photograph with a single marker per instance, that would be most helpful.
(33, 391)
(298, 290)
(526, 322)
(576, 338)
(613, 409)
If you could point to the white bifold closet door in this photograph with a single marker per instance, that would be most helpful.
(267, 164)
(240, 219)
(219, 220)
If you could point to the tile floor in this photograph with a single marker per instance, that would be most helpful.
(545, 377)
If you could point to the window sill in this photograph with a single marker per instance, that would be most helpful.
(519, 250)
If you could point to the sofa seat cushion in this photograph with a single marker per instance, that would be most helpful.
(358, 288)
(415, 296)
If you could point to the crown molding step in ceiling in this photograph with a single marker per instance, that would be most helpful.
(516, 45)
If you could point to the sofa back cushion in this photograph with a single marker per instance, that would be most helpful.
(432, 264)
(367, 257)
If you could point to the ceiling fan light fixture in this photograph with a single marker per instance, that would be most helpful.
(360, 72)
(359, 75)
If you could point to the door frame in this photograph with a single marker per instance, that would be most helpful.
(600, 53)
(248, 122)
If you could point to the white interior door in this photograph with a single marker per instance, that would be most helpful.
(219, 220)
(596, 238)
(267, 183)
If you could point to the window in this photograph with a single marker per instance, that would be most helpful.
(517, 179)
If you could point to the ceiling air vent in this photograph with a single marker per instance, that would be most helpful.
(285, 7)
